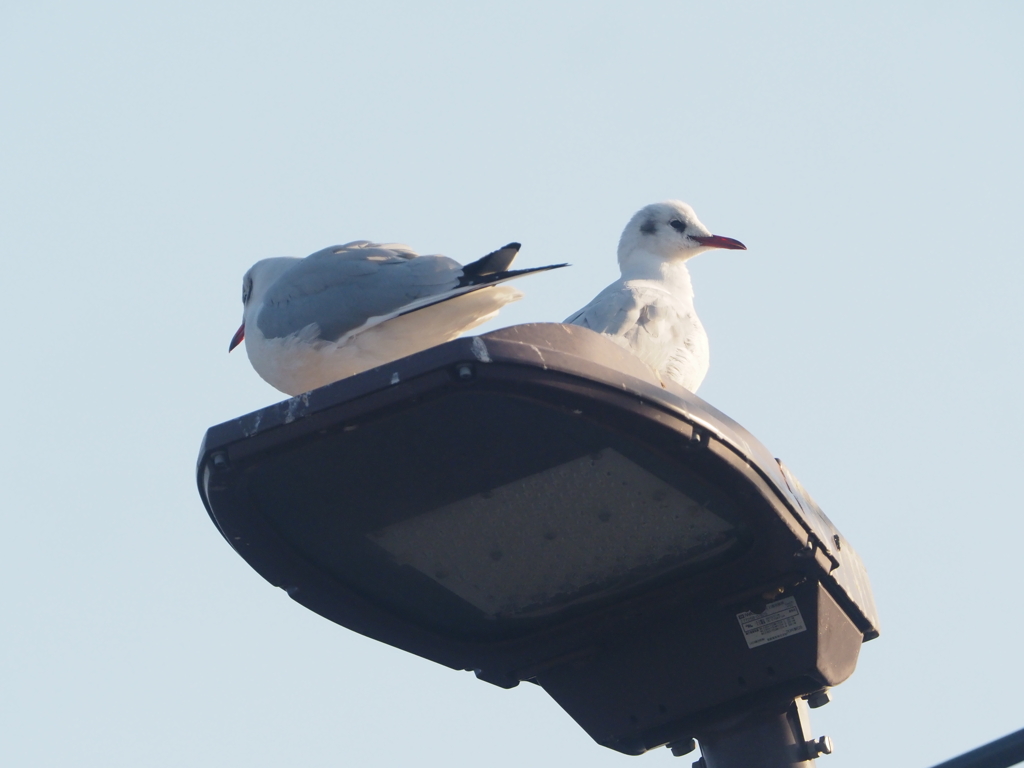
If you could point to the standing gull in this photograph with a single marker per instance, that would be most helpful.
(649, 309)
(309, 322)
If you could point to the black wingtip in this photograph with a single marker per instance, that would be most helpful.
(540, 269)
(493, 263)
(527, 271)
(492, 278)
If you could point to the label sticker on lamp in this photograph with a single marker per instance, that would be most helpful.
(778, 620)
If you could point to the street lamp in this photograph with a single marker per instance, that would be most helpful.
(533, 505)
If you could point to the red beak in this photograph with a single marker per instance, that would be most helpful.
(237, 338)
(717, 241)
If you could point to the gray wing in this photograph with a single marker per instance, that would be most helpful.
(340, 287)
(614, 311)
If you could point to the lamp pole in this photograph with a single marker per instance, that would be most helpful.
(1001, 753)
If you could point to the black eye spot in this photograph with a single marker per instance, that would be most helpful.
(678, 226)
(246, 291)
(649, 227)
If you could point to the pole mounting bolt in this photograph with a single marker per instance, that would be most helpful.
(682, 747)
(820, 746)
(818, 699)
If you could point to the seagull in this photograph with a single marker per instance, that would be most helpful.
(348, 308)
(649, 309)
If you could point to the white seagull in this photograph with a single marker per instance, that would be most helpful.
(649, 310)
(310, 322)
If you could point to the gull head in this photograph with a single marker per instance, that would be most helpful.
(670, 231)
(259, 277)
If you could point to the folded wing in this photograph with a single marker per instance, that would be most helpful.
(654, 326)
(340, 287)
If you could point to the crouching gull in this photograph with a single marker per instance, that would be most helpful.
(649, 309)
(310, 322)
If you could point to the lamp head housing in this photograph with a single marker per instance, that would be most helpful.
(532, 504)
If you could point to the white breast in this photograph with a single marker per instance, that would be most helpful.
(669, 337)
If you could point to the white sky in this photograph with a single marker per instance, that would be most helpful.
(869, 157)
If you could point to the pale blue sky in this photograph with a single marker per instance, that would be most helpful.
(870, 157)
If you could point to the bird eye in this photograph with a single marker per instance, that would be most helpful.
(246, 290)
(678, 226)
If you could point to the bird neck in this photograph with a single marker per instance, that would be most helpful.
(643, 265)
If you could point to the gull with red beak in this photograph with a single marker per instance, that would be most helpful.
(348, 308)
(649, 309)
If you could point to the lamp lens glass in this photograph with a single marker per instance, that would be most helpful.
(532, 545)
(488, 513)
